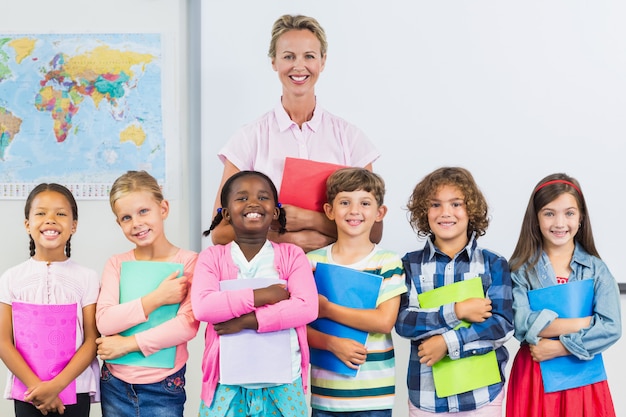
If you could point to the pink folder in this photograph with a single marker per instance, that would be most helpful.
(45, 336)
(304, 183)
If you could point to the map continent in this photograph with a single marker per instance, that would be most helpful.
(79, 109)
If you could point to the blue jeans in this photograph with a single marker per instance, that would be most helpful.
(369, 413)
(160, 399)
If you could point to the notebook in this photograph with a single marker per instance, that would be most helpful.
(453, 377)
(350, 288)
(138, 278)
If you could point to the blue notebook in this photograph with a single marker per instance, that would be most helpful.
(350, 288)
(571, 300)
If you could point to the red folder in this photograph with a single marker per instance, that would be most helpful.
(304, 183)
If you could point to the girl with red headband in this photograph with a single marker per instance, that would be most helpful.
(555, 248)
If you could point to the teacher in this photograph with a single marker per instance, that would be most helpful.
(297, 127)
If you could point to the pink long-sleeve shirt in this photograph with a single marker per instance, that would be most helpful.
(209, 304)
(113, 318)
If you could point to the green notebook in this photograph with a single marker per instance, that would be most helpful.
(453, 377)
(138, 278)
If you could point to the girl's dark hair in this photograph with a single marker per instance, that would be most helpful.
(58, 188)
(530, 242)
(226, 189)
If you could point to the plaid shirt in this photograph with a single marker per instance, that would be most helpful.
(428, 269)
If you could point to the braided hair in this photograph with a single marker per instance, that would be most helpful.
(58, 188)
(226, 189)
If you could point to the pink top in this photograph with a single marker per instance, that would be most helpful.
(215, 264)
(263, 144)
(113, 317)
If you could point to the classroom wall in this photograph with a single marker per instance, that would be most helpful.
(511, 91)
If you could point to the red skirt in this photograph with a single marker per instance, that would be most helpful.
(525, 396)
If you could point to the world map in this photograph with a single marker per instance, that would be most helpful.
(80, 110)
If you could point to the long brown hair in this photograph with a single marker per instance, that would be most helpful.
(530, 242)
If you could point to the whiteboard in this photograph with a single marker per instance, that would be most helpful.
(513, 91)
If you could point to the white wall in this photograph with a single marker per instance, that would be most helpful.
(511, 91)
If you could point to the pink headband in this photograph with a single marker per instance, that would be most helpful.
(558, 182)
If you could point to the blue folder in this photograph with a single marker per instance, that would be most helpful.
(570, 300)
(350, 288)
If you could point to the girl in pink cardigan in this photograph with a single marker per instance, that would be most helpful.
(249, 204)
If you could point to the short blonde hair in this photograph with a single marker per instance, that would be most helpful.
(133, 181)
(288, 22)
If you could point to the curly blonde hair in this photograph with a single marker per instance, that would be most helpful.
(425, 190)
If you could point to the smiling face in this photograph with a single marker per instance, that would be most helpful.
(559, 221)
(448, 219)
(141, 217)
(298, 62)
(51, 224)
(354, 213)
(250, 208)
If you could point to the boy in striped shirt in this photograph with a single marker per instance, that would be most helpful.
(355, 204)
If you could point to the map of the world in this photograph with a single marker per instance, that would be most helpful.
(80, 110)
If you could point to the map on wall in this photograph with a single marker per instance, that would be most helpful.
(80, 110)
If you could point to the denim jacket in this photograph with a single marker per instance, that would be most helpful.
(605, 328)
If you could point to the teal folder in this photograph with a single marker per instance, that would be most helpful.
(350, 288)
(571, 300)
(138, 278)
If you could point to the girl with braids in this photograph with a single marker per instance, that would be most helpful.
(249, 204)
(50, 278)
